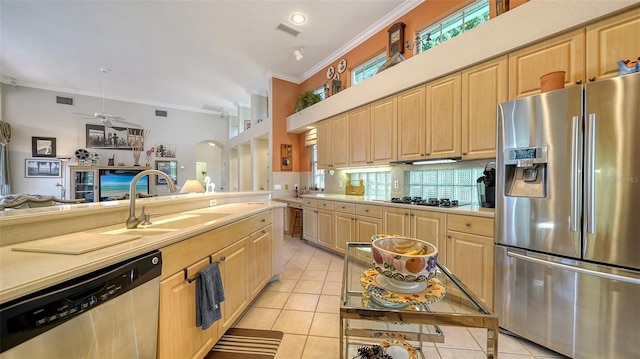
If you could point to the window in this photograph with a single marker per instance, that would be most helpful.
(452, 26)
(368, 69)
(318, 175)
(376, 184)
(320, 91)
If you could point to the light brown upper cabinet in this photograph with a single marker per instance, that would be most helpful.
(608, 41)
(359, 136)
(411, 124)
(443, 117)
(484, 86)
(561, 53)
(373, 133)
(333, 137)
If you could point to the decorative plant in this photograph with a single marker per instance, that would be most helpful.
(307, 99)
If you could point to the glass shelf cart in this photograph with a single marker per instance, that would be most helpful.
(365, 322)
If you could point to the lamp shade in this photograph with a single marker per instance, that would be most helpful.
(191, 186)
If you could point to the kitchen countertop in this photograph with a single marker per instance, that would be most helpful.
(467, 210)
(22, 273)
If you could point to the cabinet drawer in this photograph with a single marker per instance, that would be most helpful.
(308, 202)
(369, 210)
(345, 207)
(323, 204)
(469, 224)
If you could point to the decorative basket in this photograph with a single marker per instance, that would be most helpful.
(357, 190)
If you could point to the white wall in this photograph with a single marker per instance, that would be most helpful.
(34, 112)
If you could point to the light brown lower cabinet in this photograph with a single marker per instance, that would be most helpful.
(178, 336)
(246, 247)
(325, 228)
(425, 225)
(470, 254)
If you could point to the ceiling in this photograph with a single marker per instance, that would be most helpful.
(179, 54)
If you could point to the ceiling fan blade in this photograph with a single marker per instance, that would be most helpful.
(83, 114)
(121, 121)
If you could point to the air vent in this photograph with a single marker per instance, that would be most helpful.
(288, 29)
(160, 113)
(64, 100)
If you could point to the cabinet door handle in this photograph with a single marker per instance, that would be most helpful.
(324, 205)
(449, 236)
(412, 214)
(464, 153)
(263, 220)
(592, 78)
(468, 224)
(366, 210)
(406, 213)
(579, 82)
(263, 231)
(342, 207)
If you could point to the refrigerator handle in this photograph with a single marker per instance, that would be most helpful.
(571, 268)
(590, 168)
(575, 170)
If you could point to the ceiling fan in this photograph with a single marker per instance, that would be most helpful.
(107, 119)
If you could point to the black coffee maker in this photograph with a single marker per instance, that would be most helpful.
(487, 186)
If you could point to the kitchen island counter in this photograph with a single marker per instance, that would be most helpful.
(22, 273)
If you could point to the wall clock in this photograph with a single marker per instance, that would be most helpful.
(342, 65)
(396, 38)
(330, 72)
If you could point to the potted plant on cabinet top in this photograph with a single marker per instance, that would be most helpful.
(307, 99)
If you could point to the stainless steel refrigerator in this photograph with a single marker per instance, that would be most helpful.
(568, 219)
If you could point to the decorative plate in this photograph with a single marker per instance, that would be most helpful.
(399, 349)
(342, 65)
(434, 292)
(330, 72)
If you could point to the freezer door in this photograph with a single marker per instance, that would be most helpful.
(549, 220)
(612, 171)
(535, 302)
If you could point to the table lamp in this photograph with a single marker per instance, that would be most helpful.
(191, 186)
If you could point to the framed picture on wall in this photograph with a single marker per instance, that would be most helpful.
(43, 146)
(168, 167)
(166, 150)
(41, 167)
(286, 157)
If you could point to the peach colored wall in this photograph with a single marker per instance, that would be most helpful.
(284, 95)
(417, 19)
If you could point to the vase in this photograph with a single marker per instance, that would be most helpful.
(136, 159)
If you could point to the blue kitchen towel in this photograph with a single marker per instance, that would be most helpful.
(209, 295)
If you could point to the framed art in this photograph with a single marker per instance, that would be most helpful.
(43, 147)
(168, 167)
(286, 158)
(41, 167)
(165, 150)
(114, 138)
(247, 125)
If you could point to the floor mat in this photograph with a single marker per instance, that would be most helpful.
(238, 343)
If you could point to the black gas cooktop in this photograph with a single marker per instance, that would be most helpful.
(432, 202)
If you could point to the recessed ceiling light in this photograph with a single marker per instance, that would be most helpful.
(298, 18)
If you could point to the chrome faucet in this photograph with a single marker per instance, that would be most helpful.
(133, 221)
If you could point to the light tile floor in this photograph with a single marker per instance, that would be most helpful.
(304, 304)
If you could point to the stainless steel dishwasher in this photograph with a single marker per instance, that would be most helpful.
(110, 313)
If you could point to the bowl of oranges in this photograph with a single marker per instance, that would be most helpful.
(405, 262)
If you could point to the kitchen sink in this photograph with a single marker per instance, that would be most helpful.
(184, 220)
(166, 224)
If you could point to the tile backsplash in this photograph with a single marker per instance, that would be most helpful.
(454, 181)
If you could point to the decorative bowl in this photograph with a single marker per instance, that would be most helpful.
(405, 261)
